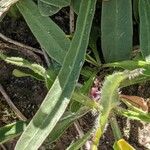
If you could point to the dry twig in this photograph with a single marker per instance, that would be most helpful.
(46, 58)
(72, 21)
(3, 147)
(11, 104)
(18, 44)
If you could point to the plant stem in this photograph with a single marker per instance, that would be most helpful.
(115, 128)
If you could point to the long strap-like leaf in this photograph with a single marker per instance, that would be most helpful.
(144, 13)
(47, 33)
(116, 29)
(59, 95)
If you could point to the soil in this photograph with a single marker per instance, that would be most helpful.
(28, 93)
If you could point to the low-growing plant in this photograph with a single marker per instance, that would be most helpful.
(116, 33)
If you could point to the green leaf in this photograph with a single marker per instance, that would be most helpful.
(4, 6)
(57, 3)
(76, 5)
(50, 7)
(60, 93)
(139, 79)
(87, 71)
(115, 127)
(88, 84)
(51, 38)
(80, 99)
(80, 142)
(11, 131)
(95, 34)
(85, 100)
(129, 64)
(116, 30)
(92, 61)
(65, 122)
(36, 71)
(135, 115)
(21, 62)
(110, 96)
(47, 9)
(18, 73)
(144, 13)
(110, 99)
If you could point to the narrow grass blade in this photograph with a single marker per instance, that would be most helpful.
(116, 30)
(60, 93)
(65, 122)
(135, 115)
(11, 131)
(129, 64)
(144, 14)
(80, 142)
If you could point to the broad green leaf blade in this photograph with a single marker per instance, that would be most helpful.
(60, 93)
(80, 142)
(11, 131)
(144, 14)
(58, 3)
(5, 5)
(47, 9)
(51, 38)
(76, 5)
(116, 30)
